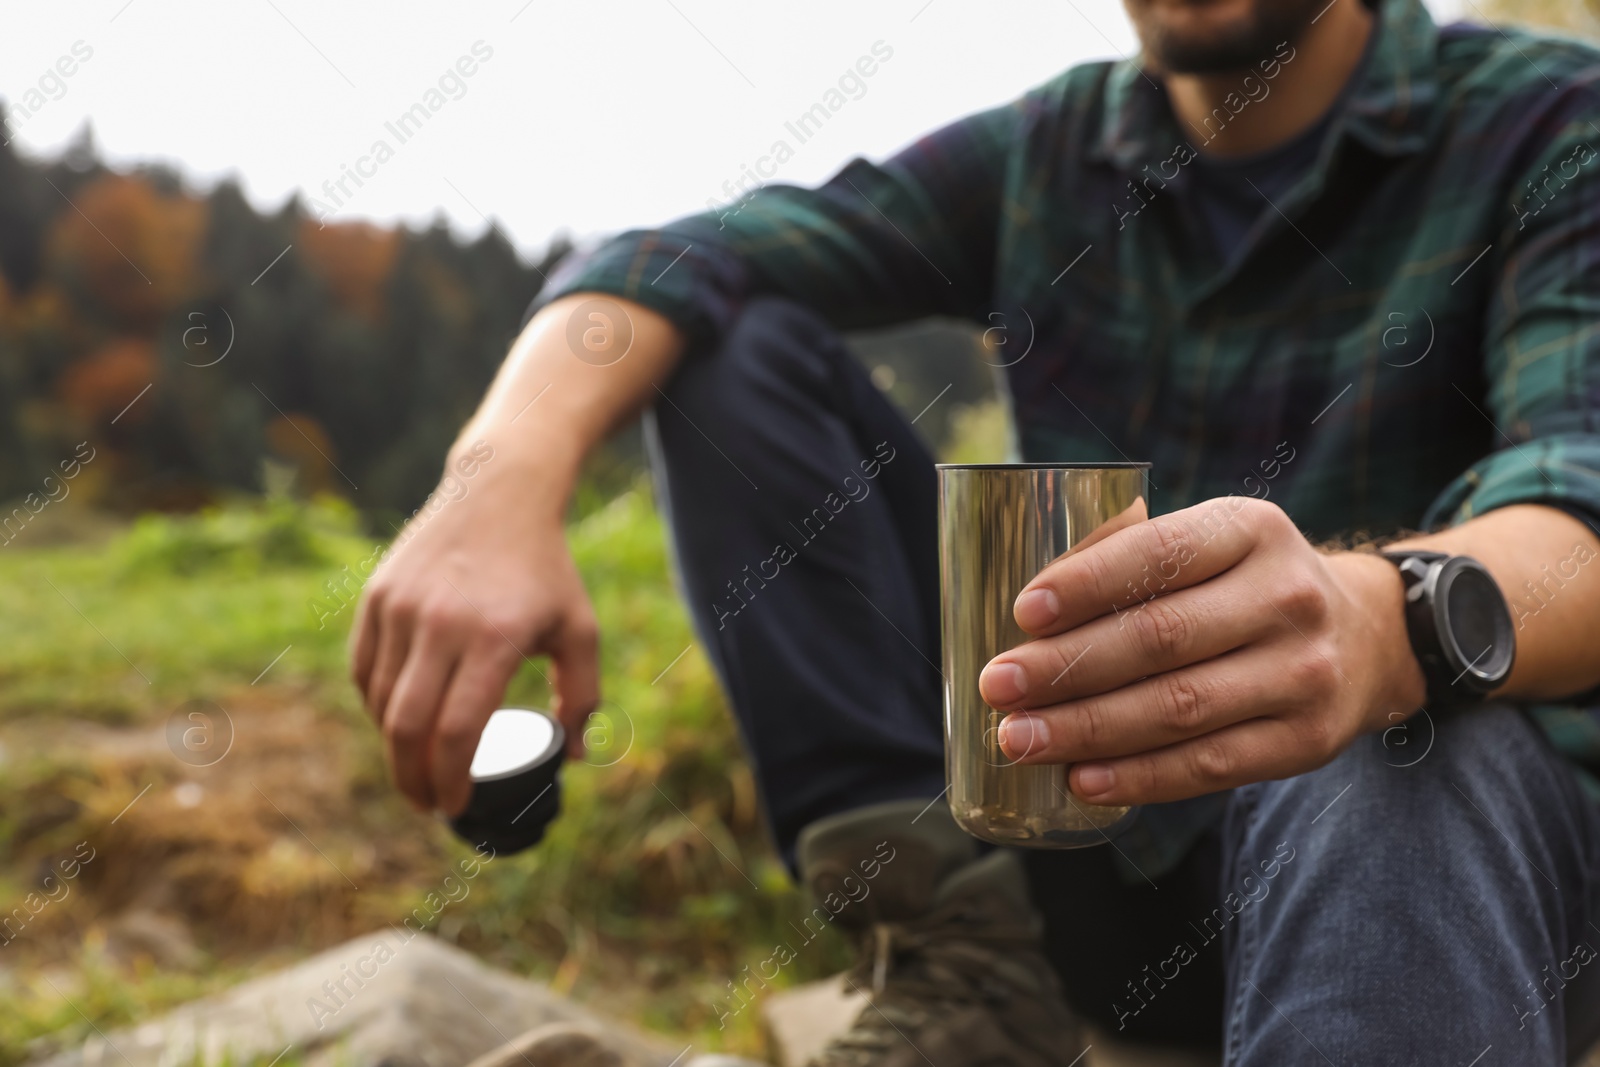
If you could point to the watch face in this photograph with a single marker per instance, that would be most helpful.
(1478, 624)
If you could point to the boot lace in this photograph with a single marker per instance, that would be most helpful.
(911, 970)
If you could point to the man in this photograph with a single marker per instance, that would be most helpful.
(1334, 271)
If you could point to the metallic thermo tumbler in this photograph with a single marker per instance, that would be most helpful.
(999, 525)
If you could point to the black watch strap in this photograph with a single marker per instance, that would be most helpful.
(1459, 625)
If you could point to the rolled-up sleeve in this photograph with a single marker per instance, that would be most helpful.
(1542, 348)
(876, 244)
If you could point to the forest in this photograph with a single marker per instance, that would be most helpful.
(187, 339)
(195, 346)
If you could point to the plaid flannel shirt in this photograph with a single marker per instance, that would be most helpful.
(1408, 337)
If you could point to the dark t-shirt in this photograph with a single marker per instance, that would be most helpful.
(1222, 191)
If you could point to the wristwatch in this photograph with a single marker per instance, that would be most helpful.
(1459, 625)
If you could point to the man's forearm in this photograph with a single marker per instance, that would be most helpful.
(583, 365)
(1557, 616)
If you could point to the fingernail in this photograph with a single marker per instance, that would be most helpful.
(1022, 735)
(1037, 608)
(1094, 779)
(1002, 683)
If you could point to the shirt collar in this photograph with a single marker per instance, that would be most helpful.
(1389, 108)
(1392, 107)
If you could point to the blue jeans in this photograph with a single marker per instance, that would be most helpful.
(1431, 902)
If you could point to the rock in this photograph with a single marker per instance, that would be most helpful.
(379, 1000)
(800, 1021)
(555, 1045)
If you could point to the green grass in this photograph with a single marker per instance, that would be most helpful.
(654, 888)
(176, 608)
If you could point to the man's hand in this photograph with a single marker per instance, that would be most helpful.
(482, 582)
(472, 589)
(1202, 650)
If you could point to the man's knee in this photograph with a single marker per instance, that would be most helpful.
(1458, 848)
(1454, 768)
(1472, 810)
(774, 350)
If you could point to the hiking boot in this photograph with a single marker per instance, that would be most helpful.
(949, 944)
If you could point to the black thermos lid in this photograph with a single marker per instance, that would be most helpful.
(516, 790)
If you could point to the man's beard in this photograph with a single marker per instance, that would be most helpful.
(1236, 46)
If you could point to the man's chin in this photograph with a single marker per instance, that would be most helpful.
(1216, 36)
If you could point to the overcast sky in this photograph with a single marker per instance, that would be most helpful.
(587, 116)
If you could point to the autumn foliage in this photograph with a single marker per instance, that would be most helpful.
(128, 249)
(197, 341)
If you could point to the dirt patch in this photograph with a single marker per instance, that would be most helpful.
(269, 847)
